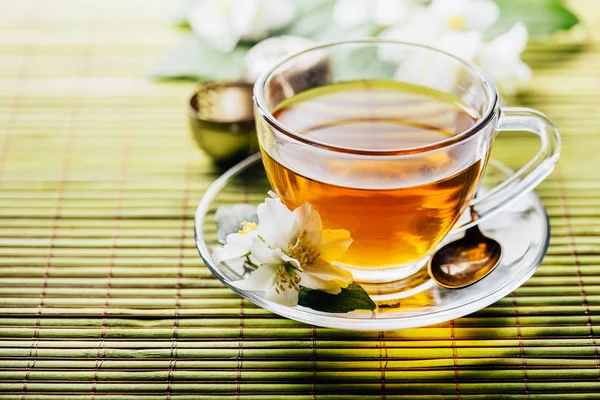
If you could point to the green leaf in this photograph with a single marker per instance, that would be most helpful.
(349, 299)
(196, 59)
(230, 219)
(542, 17)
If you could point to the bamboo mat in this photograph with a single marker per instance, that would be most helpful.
(103, 295)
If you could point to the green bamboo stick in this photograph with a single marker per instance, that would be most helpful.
(358, 346)
(537, 310)
(193, 278)
(192, 281)
(576, 191)
(140, 312)
(157, 224)
(553, 274)
(174, 250)
(127, 292)
(217, 291)
(42, 229)
(123, 248)
(304, 343)
(90, 200)
(234, 302)
(251, 310)
(164, 281)
(194, 260)
(309, 396)
(507, 319)
(299, 353)
(125, 364)
(298, 332)
(107, 252)
(107, 233)
(354, 388)
(59, 261)
(320, 376)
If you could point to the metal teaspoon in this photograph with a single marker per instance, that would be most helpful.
(465, 261)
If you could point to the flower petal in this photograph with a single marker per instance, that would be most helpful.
(323, 270)
(261, 279)
(312, 282)
(334, 243)
(276, 14)
(481, 14)
(389, 12)
(236, 247)
(211, 20)
(461, 44)
(226, 253)
(243, 17)
(264, 254)
(241, 240)
(349, 14)
(309, 223)
(288, 297)
(513, 42)
(501, 59)
(290, 260)
(474, 14)
(276, 224)
(236, 264)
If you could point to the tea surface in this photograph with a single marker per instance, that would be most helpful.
(392, 220)
(375, 115)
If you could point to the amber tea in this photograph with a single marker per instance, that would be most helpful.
(396, 209)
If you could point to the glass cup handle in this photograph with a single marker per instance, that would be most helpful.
(528, 177)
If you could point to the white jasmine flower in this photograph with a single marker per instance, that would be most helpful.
(225, 22)
(464, 15)
(289, 250)
(464, 45)
(275, 275)
(501, 59)
(455, 26)
(236, 252)
(423, 67)
(451, 25)
(420, 30)
(417, 29)
(349, 14)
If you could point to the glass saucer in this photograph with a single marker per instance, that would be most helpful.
(522, 229)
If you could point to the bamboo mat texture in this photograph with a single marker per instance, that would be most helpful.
(102, 292)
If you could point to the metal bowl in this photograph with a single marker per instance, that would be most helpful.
(221, 120)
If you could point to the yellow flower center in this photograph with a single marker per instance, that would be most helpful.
(458, 23)
(287, 279)
(303, 251)
(247, 227)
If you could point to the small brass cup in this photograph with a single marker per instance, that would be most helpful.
(221, 120)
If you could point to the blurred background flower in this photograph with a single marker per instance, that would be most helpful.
(490, 33)
(225, 22)
(349, 14)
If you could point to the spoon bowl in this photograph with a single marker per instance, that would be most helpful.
(465, 261)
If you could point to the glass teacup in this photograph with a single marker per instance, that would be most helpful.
(389, 141)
